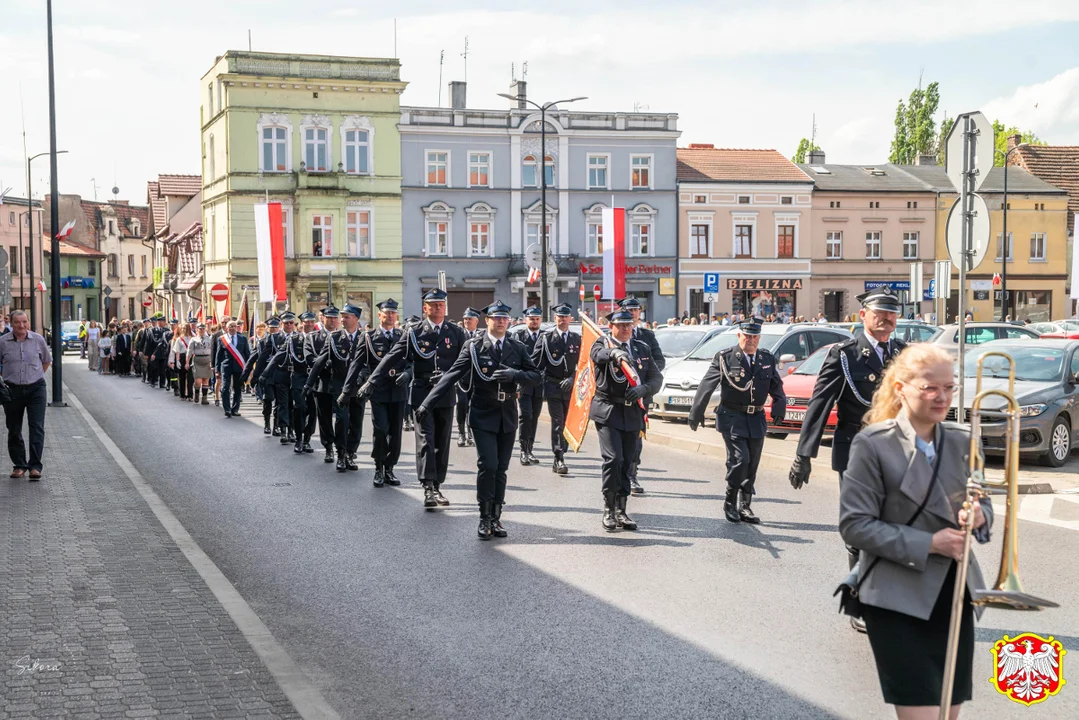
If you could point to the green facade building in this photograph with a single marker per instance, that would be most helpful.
(319, 135)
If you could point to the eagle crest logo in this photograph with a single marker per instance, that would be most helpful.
(1028, 668)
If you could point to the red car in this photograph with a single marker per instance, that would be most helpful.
(798, 387)
(1062, 329)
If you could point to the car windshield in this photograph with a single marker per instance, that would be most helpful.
(1070, 325)
(1032, 362)
(70, 326)
(770, 337)
(813, 363)
(678, 343)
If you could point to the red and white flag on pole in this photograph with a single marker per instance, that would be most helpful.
(270, 248)
(614, 253)
(65, 232)
(533, 275)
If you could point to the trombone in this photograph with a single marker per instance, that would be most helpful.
(1008, 591)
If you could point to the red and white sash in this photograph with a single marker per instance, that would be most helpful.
(232, 351)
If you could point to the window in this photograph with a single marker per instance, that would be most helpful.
(274, 149)
(640, 239)
(532, 234)
(595, 238)
(1037, 246)
(358, 233)
(112, 227)
(796, 345)
(113, 270)
(529, 178)
(700, 199)
(316, 149)
(874, 204)
(640, 171)
(438, 238)
(834, 245)
(357, 152)
(479, 238)
(833, 204)
(143, 267)
(322, 235)
(743, 199)
(91, 268)
(743, 241)
(912, 205)
(910, 246)
(479, 169)
(437, 168)
(548, 170)
(213, 173)
(13, 259)
(786, 200)
(785, 245)
(1011, 246)
(11, 218)
(210, 100)
(131, 266)
(698, 241)
(872, 246)
(286, 231)
(597, 171)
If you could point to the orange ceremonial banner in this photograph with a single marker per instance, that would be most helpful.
(584, 387)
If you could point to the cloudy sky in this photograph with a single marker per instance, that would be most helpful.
(739, 74)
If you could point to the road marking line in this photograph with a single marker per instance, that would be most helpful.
(1037, 508)
(298, 688)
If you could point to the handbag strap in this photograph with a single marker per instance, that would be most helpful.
(918, 512)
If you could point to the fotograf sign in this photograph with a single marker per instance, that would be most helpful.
(637, 270)
(894, 285)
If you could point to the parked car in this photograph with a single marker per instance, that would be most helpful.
(1046, 377)
(910, 331)
(1063, 329)
(791, 344)
(69, 335)
(979, 333)
(798, 387)
(677, 341)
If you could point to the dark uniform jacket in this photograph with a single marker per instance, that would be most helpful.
(269, 346)
(492, 405)
(646, 335)
(157, 343)
(740, 411)
(331, 366)
(313, 345)
(609, 405)
(292, 358)
(848, 378)
(524, 336)
(224, 360)
(431, 354)
(373, 346)
(556, 359)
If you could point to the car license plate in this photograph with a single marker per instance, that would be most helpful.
(795, 415)
(679, 401)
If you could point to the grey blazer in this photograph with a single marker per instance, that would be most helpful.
(883, 485)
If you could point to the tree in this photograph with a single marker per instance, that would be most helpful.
(900, 142)
(805, 147)
(1001, 134)
(942, 139)
(915, 129)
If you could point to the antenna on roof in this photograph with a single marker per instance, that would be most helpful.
(524, 70)
(249, 40)
(638, 107)
(441, 59)
(465, 56)
(513, 72)
(93, 182)
(813, 132)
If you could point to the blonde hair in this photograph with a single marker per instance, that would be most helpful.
(906, 366)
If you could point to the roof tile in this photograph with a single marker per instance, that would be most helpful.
(1057, 165)
(188, 185)
(705, 164)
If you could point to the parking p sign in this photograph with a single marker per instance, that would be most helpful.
(711, 282)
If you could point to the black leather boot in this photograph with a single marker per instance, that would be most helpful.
(439, 497)
(484, 529)
(462, 441)
(496, 521)
(471, 440)
(609, 523)
(328, 458)
(429, 500)
(341, 465)
(265, 427)
(390, 478)
(559, 466)
(351, 461)
(307, 446)
(624, 521)
(380, 477)
(745, 512)
(298, 448)
(524, 457)
(276, 432)
(730, 506)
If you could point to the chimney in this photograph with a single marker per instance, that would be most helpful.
(457, 95)
(1014, 140)
(518, 88)
(816, 157)
(928, 159)
(702, 146)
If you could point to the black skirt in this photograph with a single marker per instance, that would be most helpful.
(910, 651)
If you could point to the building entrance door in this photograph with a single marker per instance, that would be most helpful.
(833, 305)
(458, 300)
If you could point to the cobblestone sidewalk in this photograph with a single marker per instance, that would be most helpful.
(101, 615)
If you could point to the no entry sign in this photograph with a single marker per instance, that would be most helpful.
(219, 292)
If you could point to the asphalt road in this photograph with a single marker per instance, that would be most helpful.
(396, 612)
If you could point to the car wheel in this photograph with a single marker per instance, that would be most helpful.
(778, 436)
(1060, 444)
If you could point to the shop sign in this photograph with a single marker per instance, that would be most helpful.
(641, 269)
(666, 286)
(981, 294)
(764, 284)
(894, 285)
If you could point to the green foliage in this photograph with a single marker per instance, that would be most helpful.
(1001, 134)
(942, 139)
(900, 142)
(915, 129)
(804, 148)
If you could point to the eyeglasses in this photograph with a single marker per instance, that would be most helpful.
(935, 391)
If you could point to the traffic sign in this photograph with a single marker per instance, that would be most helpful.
(3, 258)
(582, 293)
(711, 283)
(979, 233)
(106, 290)
(220, 292)
(932, 289)
(984, 149)
(149, 301)
(711, 297)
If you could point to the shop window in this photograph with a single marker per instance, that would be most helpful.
(762, 303)
(1034, 305)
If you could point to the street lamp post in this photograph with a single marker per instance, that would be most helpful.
(30, 236)
(1005, 246)
(57, 340)
(543, 187)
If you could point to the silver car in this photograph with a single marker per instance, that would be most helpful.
(677, 341)
(791, 344)
(979, 333)
(1046, 376)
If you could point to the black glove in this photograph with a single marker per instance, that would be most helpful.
(342, 399)
(366, 390)
(799, 474)
(619, 356)
(566, 384)
(420, 414)
(503, 374)
(404, 378)
(307, 390)
(636, 392)
(693, 425)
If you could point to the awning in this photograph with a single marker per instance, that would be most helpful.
(189, 283)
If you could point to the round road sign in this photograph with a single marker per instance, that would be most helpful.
(148, 301)
(980, 233)
(220, 292)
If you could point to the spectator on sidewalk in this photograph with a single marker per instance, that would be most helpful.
(93, 334)
(121, 348)
(24, 357)
(104, 352)
(82, 340)
(4, 329)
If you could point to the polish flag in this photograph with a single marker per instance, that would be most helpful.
(65, 232)
(614, 253)
(533, 275)
(270, 248)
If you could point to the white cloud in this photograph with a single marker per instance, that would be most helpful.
(1050, 109)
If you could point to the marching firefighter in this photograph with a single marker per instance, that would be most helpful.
(334, 363)
(313, 345)
(555, 355)
(642, 333)
(745, 375)
(470, 321)
(531, 399)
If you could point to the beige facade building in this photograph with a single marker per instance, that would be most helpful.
(15, 241)
(746, 215)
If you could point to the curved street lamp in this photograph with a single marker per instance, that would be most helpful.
(30, 230)
(543, 108)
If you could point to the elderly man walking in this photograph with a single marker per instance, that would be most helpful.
(25, 357)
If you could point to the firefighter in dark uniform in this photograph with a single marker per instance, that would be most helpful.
(644, 334)
(556, 355)
(318, 384)
(531, 399)
(170, 372)
(745, 376)
(334, 361)
(388, 397)
(431, 346)
(157, 352)
(410, 426)
(294, 362)
(492, 365)
(280, 382)
(268, 347)
(851, 372)
(470, 321)
(617, 411)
